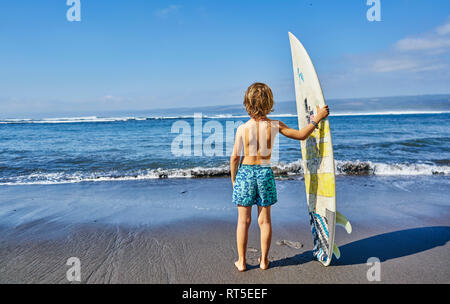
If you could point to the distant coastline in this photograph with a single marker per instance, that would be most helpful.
(420, 104)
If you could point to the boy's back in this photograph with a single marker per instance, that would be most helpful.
(254, 141)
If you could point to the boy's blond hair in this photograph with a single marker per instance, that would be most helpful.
(258, 100)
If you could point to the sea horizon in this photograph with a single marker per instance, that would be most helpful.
(393, 105)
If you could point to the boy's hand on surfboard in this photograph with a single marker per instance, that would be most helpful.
(323, 112)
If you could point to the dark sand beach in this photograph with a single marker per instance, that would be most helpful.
(183, 231)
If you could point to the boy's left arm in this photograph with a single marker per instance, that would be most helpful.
(304, 133)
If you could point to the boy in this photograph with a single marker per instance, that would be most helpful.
(254, 182)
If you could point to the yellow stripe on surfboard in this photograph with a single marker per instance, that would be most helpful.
(323, 131)
(320, 150)
(315, 146)
(320, 184)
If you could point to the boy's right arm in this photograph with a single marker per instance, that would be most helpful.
(234, 165)
(236, 155)
(306, 131)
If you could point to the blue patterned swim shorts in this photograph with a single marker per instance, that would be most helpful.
(254, 184)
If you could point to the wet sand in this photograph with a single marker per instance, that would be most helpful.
(409, 234)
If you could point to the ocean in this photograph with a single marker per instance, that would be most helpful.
(96, 148)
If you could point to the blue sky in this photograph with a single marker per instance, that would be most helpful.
(139, 54)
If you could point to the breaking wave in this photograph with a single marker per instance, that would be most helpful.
(368, 168)
(344, 168)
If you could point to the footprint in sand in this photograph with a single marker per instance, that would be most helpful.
(291, 244)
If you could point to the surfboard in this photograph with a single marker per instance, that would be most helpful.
(317, 158)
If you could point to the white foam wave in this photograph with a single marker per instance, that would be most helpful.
(60, 120)
(409, 169)
(280, 169)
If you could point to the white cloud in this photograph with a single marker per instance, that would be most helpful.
(431, 67)
(417, 44)
(444, 29)
(111, 99)
(425, 52)
(406, 64)
(417, 64)
(436, 41)
(390, 65)
(164, 12)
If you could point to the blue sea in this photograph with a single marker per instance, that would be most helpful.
(104, 148)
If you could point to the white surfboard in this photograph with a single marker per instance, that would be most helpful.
(317, 157)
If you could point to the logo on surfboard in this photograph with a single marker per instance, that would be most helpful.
(300, 74)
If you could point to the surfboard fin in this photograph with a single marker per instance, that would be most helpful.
(336, 251)
(341, 220)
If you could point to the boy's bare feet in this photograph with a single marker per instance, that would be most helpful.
(240, 266)
(263, 264)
